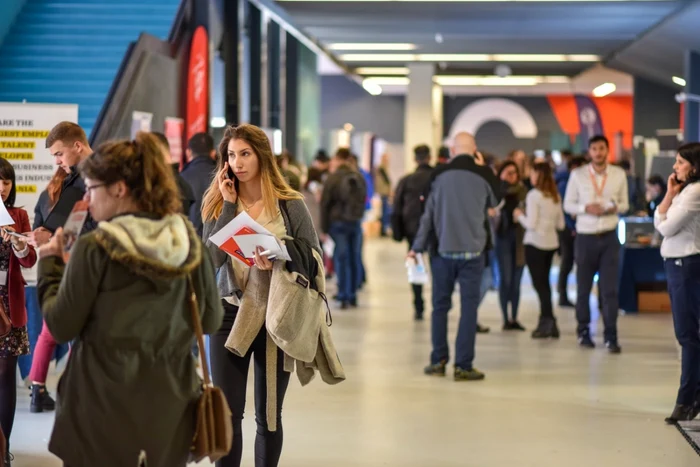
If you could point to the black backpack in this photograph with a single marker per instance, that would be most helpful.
(352, 194)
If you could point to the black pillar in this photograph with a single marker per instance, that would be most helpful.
(274, 75)
(691, 109)
(254, 29)
(291, 93)
(229, 52)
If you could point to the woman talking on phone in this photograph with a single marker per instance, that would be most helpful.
(677, 218)
(249, 181)
(14, 340)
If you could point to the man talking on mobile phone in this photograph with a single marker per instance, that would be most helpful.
(452, 230)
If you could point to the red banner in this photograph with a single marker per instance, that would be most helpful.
(198, 84)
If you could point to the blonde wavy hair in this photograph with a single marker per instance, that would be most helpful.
(274, 186)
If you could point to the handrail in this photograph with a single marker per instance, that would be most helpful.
(184, 13)
(122, 84)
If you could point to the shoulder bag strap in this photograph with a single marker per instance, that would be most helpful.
(196, 322)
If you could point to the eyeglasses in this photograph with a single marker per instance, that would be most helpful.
(88, 189)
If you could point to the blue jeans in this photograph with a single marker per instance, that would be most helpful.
(347, 258)
(683, 276)
(386, 214)
(446, 272)
(486, 279)
(511, 275)
(495, 273)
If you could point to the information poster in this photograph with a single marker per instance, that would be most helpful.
(174, 129)
(23, 132)
(140, 121)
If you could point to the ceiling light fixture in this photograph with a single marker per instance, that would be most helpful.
(604, 89)
(217, 122)
(486, 81)
(388, 80)
(529, 58)
(472, 80)
(469, 58)
(378, 57)
(371, 87)
(679, 81)
(453, 58)
(462, 1)
(371, 46)
(382, 71)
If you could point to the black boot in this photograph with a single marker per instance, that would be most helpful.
(545, 329)
(418, 303)
(41, 399)
(681, 413)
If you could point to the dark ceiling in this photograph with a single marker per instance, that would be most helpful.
(600, 28)
(659, 54)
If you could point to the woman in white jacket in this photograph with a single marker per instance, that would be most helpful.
(542, 218)
(677, 218)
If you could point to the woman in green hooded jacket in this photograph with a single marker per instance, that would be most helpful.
(130, 387)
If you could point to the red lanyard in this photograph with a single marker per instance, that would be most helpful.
(598, 189)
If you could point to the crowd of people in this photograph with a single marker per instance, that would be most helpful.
(122, 294)
(478, 214)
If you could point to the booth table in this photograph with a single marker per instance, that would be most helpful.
(639, 266)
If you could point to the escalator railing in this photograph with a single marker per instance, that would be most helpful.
(113, 111)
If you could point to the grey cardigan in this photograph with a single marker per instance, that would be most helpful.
(298, 223)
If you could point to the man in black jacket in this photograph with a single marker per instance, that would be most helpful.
(408, 208)
(342, 209)
(68, 144)
(186, 194)
(199, 173)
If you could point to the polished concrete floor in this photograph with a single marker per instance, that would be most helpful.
(543, 404)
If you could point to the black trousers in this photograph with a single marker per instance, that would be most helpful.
(683, 275)
(539, 263)
(417, 289)
(598, 253)
(566, 245)
(230, 373)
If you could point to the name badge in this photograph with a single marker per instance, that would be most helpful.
(3, 277)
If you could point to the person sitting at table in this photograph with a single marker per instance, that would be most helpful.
(678, 219)
(656, 192)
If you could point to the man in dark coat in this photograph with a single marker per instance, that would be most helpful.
(408, 208)
(199, 173)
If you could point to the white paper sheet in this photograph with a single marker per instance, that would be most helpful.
(245, 226)
(5, 218)
(241, 221)
(248, 243)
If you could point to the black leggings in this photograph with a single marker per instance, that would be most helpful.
(8, 395)
(230, 373)
(539, 262)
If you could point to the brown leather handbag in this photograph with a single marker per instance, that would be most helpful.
(5, 323)
(213, 434)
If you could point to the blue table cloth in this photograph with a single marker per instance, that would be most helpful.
(638, 265)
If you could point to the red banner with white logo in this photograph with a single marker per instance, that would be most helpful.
(198, 84)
